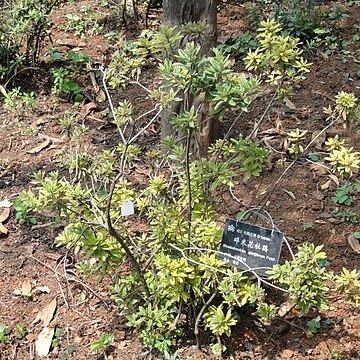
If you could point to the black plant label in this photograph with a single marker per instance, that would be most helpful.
(248, 246)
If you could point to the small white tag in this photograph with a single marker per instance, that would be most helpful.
(127, 208)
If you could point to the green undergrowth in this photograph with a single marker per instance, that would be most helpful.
(176, 283)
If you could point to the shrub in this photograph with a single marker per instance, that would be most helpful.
(22, 31)
(176, 281)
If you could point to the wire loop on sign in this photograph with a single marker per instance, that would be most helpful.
(269, 220)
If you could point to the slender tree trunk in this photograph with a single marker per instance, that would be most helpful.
(181, 12)
(178, 13)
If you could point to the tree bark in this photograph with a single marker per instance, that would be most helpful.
(182, 12)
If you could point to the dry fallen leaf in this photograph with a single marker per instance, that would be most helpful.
(4, 215)
(272, 131)
(334, 179)
(40, 147)
(46, 314)
(71, 43)
(43, 119)
(286, 307)
(3, 229)
(291, 194)
(31, 337)
(44, 340)
(93, 81)
(43, 289)
(88, 107)
(318, 169)
(5, 203)
(354, 243)
(26, 288)
(289, 104)
(101, 96)
(53, 256)
(325, 185)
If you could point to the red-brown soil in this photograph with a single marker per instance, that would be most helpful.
(28, 252)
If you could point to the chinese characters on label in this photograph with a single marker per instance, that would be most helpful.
(250, 246)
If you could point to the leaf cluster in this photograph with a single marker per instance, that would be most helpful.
(279, 56)
(22, 31)
(305, 281)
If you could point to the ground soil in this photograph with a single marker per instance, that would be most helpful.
(303, 197)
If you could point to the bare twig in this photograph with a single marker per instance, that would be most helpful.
(145, 127)
(257, 125)
(120, 239)
(104, 73)
(72, 280)
(188, 178)
(174, 324)
(274, 186)
(56, 274)
(198, 318)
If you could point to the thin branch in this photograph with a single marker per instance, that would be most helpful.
(274, 186)
(146, 127)
(120, 239)
(257, 125)
(104, 73)
(174, 324)
(188, 178)
(72, 280)
(198, 318)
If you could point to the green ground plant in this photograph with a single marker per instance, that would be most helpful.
(347, 215)
(65, 86)
(314, 326)
(278, 57)
(344, 197)
(22, 331)
(103, 343)
(240, 45)
(84, 23)
(18, 101)
(299, 18)
(295, 139)
(4, 333)
(22, 33)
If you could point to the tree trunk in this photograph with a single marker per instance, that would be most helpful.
(181, 12)
(178, 13)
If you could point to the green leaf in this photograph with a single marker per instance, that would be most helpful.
(56, 56)
(79, 98)
(313, 326)
(314, 157)
(103, 342)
